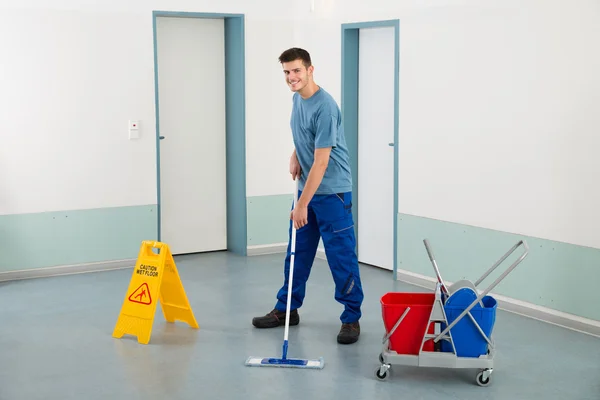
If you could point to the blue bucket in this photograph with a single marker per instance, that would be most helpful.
(468, 342)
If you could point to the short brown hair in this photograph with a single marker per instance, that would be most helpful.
(296, 53)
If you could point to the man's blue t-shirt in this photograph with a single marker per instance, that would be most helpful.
(316, 122)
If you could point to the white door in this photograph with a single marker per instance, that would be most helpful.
(375, 155)
(191, 88)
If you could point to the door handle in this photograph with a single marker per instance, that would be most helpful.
(161, 137)
(391, 144)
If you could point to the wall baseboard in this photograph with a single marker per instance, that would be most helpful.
(65, 270)
(523, 308)
(267, 249)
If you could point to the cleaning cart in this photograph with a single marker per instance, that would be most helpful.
(448, 328)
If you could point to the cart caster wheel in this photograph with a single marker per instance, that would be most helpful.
(484, 377)
(382, 375)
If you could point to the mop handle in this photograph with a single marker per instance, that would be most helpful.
(291, 278)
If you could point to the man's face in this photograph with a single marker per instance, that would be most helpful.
(296, 74)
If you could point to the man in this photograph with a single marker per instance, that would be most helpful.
(324, 210)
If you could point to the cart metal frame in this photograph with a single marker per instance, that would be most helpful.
(438, 359)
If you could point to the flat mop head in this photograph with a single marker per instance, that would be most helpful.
(285, 362)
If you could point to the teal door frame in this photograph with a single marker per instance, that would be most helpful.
(235, 95)
(350, 52)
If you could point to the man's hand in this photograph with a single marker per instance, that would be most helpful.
(295, 166)
(300, 216)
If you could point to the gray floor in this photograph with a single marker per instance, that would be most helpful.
(55, 343)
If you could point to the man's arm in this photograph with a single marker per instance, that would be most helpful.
(315, 176)
(326, 129)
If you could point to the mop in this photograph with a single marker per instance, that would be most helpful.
(284, 361)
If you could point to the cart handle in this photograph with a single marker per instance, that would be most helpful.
(481, 332)
(504, 257)
(389, 335)
(493, 285)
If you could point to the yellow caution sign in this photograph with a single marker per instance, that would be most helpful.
(155, 279)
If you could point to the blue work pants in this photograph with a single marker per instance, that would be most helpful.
(329, 218)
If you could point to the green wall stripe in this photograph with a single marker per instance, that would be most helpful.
(268, 219)
(556, 275)
(60, 238)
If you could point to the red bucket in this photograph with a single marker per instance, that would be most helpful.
(408, 336)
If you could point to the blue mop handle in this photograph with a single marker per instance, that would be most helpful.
(285, 349)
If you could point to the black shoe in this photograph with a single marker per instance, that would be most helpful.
(349, 333)
(276, 318)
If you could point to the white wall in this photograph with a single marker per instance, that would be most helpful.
(498, 109)
(268, 107)
(74, 73)
(499, 120)
(519, 75)
(70, 83)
